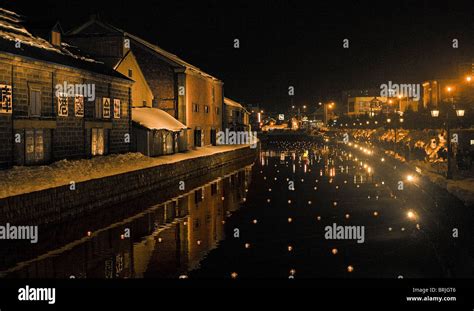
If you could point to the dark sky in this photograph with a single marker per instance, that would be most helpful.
(285, 43)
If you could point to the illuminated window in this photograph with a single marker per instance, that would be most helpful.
(34, 146)
(97, 141)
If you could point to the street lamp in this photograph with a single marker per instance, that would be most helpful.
(459, 113)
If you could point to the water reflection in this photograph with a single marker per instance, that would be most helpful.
(165, 241)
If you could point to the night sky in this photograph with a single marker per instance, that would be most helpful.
(286, 44)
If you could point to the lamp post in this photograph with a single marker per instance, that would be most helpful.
(327, 107)
(459, 114)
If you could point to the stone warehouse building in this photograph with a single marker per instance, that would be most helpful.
(236, 117)
(40, 122)
(166, 82)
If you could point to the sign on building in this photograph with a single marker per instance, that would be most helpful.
(106, 109)
(281, 117)
(117, 108)
(79, 106)
(63, 110)
(6, 99)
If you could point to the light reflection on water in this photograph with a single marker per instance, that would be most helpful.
(167, 240)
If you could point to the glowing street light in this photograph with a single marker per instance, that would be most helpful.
(411, 215)
(459, 113)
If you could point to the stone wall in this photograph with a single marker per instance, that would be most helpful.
(60, 203)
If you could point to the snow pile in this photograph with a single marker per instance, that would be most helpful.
(156, 119)
(435, 172)
(22, 179)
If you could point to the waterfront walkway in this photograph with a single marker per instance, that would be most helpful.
(20, 180)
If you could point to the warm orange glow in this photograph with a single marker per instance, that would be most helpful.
(468, 78)
(350, 269)
(449, 89)
(334, 251)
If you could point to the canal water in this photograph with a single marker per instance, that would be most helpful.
(268, 220)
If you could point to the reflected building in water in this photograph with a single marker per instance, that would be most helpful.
(165, 241)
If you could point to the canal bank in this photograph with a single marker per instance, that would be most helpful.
(142, 176)
(446, 217)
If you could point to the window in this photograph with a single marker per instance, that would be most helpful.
(198, 196)
(98, 141)
(130, 73)
(34, 146)
(35, 102)
(206, 109)
(195, 108)
(213, 189)
(98, 108)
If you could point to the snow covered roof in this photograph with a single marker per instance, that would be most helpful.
(171, 57)
(233, 103)
(12, 31)
(156, 119)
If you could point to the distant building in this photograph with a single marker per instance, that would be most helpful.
(436, 92)
(236, 117)
(165, 81)
(255, 117)
(362, 105)
(56, 104)
(369, 102)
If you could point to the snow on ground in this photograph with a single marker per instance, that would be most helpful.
(463, 189)
(23, 179)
